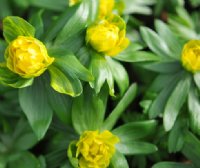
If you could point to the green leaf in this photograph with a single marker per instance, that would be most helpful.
(163, 67)
(71, 64)
(158, 105)
(14, 26)
(25, 160)
(172, 165)
(37, 22)
(9, 78)
(78, 21)
(34, 103)
(176, 138)
(88, 110)
(135, 148)
(119, 74)
(155, 42)
(191, 148)
(135, 130)
(132, 55)
(61, 105)
(119, 109)
(197, 80)
(59, 23)
(64, 82)
(171, 40)
(176, 101)
(194, 110)
(100, 69)
(118, 161)
(58, 5)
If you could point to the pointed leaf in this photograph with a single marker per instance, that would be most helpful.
(155, 43)
(34, 104)
(175, 102)
(194, 110)
(172, 165)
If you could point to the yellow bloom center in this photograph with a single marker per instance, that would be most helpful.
(27, 57)
(108, 35)
(191, 56)
(94, 149)
(105, 8)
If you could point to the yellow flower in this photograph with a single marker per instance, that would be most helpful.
(108, 35)
(191, 56)
(94, 149)
(105, 8)
(73, 2)
(27, 57)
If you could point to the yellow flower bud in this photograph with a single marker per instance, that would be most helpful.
(94, 149)
(73, 2)
(191, 56)
(27, 57)
(108, 35)
(105, 7)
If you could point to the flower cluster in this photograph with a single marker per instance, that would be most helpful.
(108, 34)
(27, 57)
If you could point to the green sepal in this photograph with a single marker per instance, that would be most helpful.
(9, 78)
(71, 153)
(14, 26)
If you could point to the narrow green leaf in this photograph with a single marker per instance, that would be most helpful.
(176, 138)
(64, 82)
(58, 24)
(120, 75)
(171, 40)
(158, 105)
(118, 161)
(36, 108)
(191, 148)
(14, 26)
(163, 67)
(197, 79)
(135, 148)
(88, 110)
(172, 165)
(135, 130)
(58, 5)
(175, 102)
(119, 109)
(155, 43)
(137, 56)
(71, 153)
(194, 110)
(77, 22)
